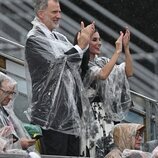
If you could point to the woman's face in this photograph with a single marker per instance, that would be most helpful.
(95, 44)
(138, 140)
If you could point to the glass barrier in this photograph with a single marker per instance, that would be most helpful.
(11, 48)
(42, 156)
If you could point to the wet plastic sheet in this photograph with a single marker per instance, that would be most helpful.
(127, 153)
(149, 146)
(113, 92)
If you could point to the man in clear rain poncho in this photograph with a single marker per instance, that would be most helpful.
(57, 100)
(13, 136)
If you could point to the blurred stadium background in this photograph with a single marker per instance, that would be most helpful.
(110, 17)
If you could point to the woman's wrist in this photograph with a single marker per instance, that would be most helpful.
(126, 48)
(117, 52)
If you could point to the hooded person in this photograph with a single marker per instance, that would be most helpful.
(126, 136)
(127, 153)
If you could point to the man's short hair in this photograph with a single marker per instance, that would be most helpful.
(4, 77)
(41, 4)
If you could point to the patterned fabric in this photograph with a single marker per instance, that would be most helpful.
(103, 139)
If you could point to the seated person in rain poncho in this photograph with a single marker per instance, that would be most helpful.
(12, 133)
(127, 140)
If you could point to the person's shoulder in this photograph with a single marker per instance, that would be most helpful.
(114, 153)
(60, 36)
(36, 36)
(35, 32)
(103, 58)
(99, 61)
(130, 153)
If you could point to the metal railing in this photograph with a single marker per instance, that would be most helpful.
(147, 107)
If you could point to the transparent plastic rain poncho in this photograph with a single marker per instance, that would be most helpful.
(10, 125)
(113, 92)
(57, 100)
(155, 153)
(127, 153)
(124, 138)
(149, 146)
